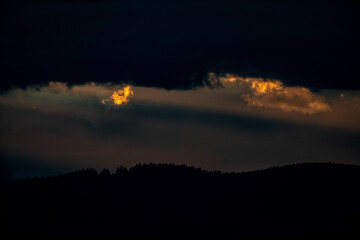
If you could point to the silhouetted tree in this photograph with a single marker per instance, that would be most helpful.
(120, 171)
(105, 173)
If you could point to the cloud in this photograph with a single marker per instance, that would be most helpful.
(298, 99)
(209, 128)
(238, 96)
(120, 96)
(272, 93)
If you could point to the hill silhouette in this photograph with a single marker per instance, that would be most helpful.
(178, 201)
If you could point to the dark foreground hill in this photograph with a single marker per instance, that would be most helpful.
(180, 200)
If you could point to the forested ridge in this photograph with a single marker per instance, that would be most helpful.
(179, 200)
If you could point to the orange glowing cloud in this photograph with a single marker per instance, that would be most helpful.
(121, 96)
(272, 93)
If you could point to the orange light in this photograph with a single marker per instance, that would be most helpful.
(121, 96)
(273, 93)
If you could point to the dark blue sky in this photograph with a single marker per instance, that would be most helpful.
(174, 44)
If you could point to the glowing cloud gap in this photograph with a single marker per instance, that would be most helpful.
(272, 93)
(121, 96)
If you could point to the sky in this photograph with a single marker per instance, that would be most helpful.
(226, 85)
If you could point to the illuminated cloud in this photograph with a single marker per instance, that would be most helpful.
(273, 94)
(237, 96)
(121, 96)
(56, 87)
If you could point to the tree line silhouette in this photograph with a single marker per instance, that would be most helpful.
(179, 200)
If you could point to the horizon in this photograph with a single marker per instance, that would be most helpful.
(99, 172)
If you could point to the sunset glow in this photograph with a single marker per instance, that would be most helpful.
(273, 93)
(121, 96)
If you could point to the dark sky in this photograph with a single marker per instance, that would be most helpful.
(173, 44)
(228, 85)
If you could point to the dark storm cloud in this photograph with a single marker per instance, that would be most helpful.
(174, 44)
